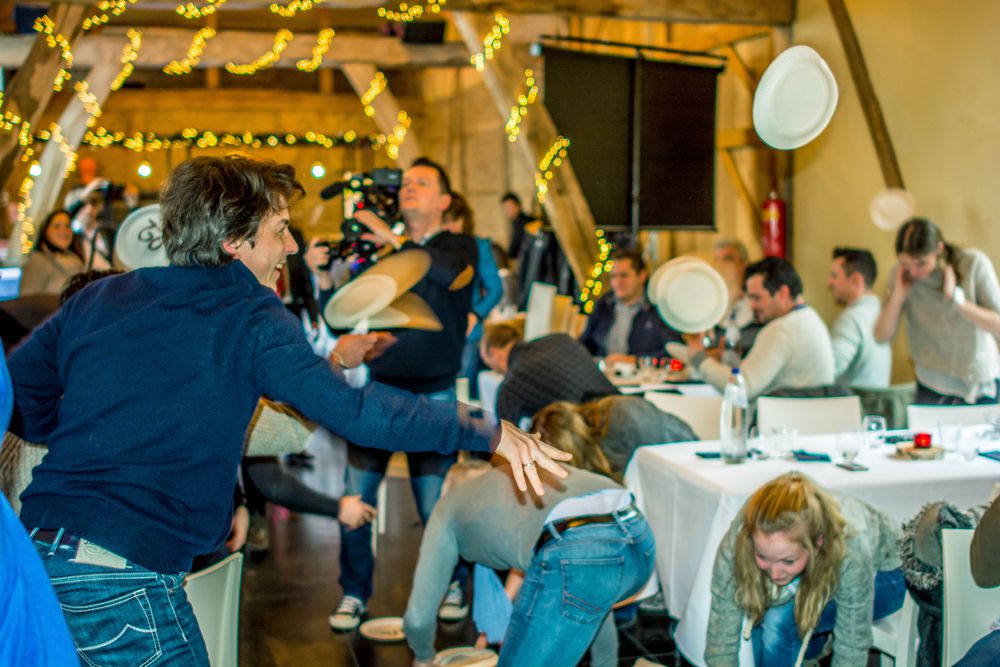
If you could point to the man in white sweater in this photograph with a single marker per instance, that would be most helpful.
(792, 351)
(859, 360)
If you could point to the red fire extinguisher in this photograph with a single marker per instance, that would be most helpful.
(773, 227)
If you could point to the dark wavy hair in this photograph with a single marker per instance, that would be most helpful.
(775, 272)
(43, 242)
(919, 236)
(207, 200)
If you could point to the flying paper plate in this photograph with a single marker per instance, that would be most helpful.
(795, 99)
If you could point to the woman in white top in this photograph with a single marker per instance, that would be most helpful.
(951, 300)
(55, 259)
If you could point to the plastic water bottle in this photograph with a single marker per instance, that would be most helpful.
(731, 351)
(733, 426)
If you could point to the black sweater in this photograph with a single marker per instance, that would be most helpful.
(428, 361)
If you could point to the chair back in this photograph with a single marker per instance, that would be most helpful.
(968, 609)
(702, 413)
(214, 594)
(809, 416)
(541, 304)
(895, 636)
(926, 417)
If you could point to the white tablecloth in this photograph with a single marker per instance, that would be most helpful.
(691, 502)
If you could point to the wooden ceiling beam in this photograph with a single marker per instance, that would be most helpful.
(770, 12)
(162, 45)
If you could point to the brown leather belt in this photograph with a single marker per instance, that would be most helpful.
(562, 525)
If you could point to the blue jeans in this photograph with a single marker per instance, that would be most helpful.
(365, 470)
(776, 641)
(118, 617)
(983, 653)
(570, 588)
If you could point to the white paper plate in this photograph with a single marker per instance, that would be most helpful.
(795, 99)
(359, 299)
(466, 656)
(139, 240)
(653, 286)
(385, 629)
(891, 207)
(692, 297)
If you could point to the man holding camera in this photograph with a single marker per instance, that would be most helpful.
(423, 362)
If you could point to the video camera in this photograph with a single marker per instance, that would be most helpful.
(377, 192)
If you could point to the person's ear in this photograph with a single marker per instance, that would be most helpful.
(232, 247)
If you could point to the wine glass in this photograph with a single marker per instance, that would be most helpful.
(873, 426)
(950, 432)
(849, 445)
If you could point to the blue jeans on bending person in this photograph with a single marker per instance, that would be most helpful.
(570, 588)
(776, 641)
(365, 470)
(127, 616)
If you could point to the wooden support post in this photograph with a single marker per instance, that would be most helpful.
(31, 88)
(565, 205)
(73, 123)
(213, 75)
(866, 92)
(741, 185)
(740, 67)
(386, 109)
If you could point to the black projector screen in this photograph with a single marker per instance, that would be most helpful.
(637, 124)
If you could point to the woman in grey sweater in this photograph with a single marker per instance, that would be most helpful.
(801, 563)
(583, 547)
(950, 298)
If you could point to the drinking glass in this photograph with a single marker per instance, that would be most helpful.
(873, 426)
(950, 432)
(758, 446)
(849, 445)
(783, 441)
(647, 368)
(968, 442)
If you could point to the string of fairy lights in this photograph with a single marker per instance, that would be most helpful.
(591, 291)
(520, 110)
(491, 42)
(137, 141)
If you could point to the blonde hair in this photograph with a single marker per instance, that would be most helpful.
(794, 504)
(565, 426)
(463, 471)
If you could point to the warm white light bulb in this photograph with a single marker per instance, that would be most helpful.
(318, 170)
(144, 170)
(35, 170)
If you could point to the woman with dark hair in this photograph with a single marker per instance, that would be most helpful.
(951, 300)
(55, 259)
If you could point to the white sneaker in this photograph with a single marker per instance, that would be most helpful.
(347, 615)
(453, 608)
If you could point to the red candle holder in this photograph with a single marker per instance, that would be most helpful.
(676, 365)
(922, 440)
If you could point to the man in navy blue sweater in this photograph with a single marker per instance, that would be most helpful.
(143, 385)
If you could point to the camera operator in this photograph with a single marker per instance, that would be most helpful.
(423, 362)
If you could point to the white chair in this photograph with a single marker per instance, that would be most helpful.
(809, 416)
(214, 594)
(702, 413)
(541, 300)
(895, 636)
(926, 417)
(968, 609)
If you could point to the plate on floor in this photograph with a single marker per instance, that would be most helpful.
(385, 629)
(466, 656)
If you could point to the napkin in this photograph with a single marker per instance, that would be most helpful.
(995, 454)
(803, 455)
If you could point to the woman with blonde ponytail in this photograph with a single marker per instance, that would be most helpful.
(799, 564)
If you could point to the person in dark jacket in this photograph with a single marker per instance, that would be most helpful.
(143, 386)
(624, 325)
